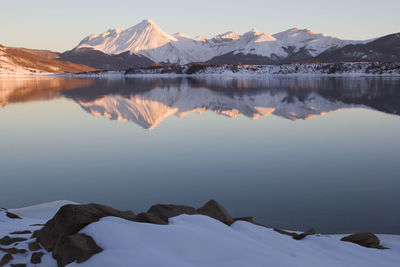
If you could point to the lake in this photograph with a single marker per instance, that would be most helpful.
(294, 152)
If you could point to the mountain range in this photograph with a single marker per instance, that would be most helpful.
(148, 40)
(146, 43)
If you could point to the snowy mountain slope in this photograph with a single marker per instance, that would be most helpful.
(147, 39)
(314, 43)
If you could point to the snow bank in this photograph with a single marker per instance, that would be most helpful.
(196, 240)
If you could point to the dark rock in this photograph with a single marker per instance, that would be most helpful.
(35, 234)
(18, 265)
(247, 219)
(283, 232)
(6, 259)
(250, 220)
(12, 215)
(37, 224)
(33, 246)
(6, 241)
(296, 236)
(168, 211)
(146, 217)
(36, 257)
(13, 250)
(368, 240)
(21, 232)
(71, 218)
(215, 210)
(77, 247)
(302, 235)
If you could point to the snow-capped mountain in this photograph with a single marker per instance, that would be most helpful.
(149, 40)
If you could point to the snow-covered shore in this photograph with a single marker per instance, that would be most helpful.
(197, 240)
(318, 69)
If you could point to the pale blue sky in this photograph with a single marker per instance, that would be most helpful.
(60, 25)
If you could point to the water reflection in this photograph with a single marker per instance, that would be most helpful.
(338, 174)
(147, 102)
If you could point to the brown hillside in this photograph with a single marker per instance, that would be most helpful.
(22, 57)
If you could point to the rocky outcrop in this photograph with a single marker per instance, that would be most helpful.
(77, 247)
(146, 217)
(72, 218)
(215, 210)
(59, 234)
(164, 212)
(366, 239)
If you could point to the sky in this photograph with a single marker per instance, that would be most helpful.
(60, 25)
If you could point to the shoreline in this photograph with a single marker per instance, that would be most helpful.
(179, 235)
(347, 69)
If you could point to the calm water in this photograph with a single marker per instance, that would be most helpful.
(292, 152)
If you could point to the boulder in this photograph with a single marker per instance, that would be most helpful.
(146, 217)
(77, 247)
(36, 257)
(368, 240)
(164, 212)
(215, 210)
(72, 218)
(6, 259)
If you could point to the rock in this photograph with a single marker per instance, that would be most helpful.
(296, 236)
(6, 241)
(13, 250)
(368, 240)
(71, 218)
(283, 232)
(21, 232)
(12, 215)
(246, 219)
(34, 246)
(36, 257)
(215, 210)
(6, 259)
(146, 217)
(302, 235)
(168, 211)
(18, 265)
(77, 247)
(250, 220)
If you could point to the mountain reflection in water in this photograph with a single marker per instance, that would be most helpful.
(337, 173)
(147, 102)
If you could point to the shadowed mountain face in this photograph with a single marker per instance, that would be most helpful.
(99, 60)
(385, 49)
(147, 102)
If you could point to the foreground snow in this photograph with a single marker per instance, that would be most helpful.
(196, 240)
